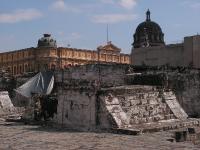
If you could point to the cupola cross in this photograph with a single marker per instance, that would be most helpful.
(148, 13)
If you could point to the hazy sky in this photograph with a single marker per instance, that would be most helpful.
(82, 23)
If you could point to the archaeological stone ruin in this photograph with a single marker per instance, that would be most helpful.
(127, 97)
(116, 97)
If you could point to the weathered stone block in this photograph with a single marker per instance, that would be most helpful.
(146, 114)
(130, 98)
(135, 110)
(159, 100)
(135, 102)
(110, 100)
(167, 117)
(149, 119)
(140, 95)
(152, 101)
(143, 120)
(114, 109)
(134, 120)
(149, 107)
(144, 101)
(157, 118)
(127, 104)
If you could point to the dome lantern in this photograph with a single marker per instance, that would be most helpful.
(47, 41)
(148, 14)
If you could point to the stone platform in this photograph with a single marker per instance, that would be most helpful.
(166, 125)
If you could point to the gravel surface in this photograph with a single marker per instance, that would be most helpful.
(17, 136)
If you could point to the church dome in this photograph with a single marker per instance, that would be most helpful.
(47, 41)
(148, 33)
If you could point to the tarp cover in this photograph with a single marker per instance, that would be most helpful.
(41, 83)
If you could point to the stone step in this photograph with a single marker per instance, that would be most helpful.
(166, 125)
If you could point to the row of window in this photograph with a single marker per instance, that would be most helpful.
(19, 69)
(19, 55)
(94, 56)
(79, 54)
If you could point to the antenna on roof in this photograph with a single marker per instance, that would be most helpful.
(107, 33)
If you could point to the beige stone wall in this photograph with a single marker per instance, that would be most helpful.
(107, 75)
(156, 56)
(192, 51)
(188, 51)
(183, 54)
(196, 51)
(76, 109)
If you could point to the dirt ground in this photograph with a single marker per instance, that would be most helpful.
(17, 136)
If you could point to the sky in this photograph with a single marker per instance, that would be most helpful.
(83, 23)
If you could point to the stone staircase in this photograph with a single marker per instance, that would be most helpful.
(137, 105)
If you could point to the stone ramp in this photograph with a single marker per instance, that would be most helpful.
(174, 106)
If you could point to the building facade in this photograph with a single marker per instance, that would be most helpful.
(149, 48)
(48, 56)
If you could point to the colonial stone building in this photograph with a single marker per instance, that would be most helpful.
(149, 47)
(48, 55)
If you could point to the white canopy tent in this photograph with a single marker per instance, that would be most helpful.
(41, 83)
